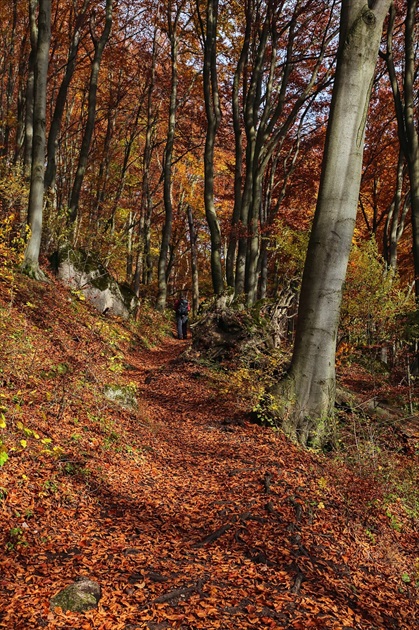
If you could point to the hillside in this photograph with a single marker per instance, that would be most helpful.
(185, 513)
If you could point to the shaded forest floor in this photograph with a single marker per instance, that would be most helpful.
(185, 513)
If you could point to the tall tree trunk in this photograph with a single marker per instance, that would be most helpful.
(405, 113)
(213, 114)
(238, 144)
(99, 45)
(309, 391)
(36, 195)
(167, 165)
(411, 131)
(143, 271)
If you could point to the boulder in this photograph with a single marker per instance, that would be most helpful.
(84, 272)
(80, 596)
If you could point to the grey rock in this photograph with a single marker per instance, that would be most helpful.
(84, 272)
(123, 396)
(80, 596)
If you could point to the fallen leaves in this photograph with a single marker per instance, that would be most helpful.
(168, 511)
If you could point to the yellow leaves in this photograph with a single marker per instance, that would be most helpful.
(322, 483)
(2, 421)
(23, 443)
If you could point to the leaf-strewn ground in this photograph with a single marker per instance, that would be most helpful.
(186, 514)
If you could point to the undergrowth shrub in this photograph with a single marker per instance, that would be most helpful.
(374, 303)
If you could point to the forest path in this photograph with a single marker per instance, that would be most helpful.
(198, 504)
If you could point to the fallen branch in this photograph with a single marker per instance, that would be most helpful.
(214, 536)
(178, 592)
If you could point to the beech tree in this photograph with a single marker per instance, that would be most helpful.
(208, 32)
(173, 16)
(404, 100)
(36, 194)
(309, 387)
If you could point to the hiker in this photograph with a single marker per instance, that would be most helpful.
(182, 309)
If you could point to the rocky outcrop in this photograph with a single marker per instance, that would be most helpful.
(83, 272)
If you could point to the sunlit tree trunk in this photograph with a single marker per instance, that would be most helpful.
(213, 113)
(405, 113)
(308, 393)
(238, 166)
(36, 194)
(143, 266)
(396, 217)
(168, 163)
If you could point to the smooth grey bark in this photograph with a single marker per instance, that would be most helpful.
(143, 269)
(307, 395)
(168, 163)
(99, 45)
(36, 194)
(213, 115)
(396, 217)
(238, 162)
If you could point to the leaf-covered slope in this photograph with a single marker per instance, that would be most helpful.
(187, 515)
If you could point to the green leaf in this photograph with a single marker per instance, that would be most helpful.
(3, 457)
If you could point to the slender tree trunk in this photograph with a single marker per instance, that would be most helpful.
(396, 216)
(238, 166)
(167, 166)
(309, 390)
(143, 271)
(194, 261)
(36, 195)
(21, 104)
(405, 113)
(411, 131)
(4, 151)
(99, 45)
(33, 30)
(213, 113)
